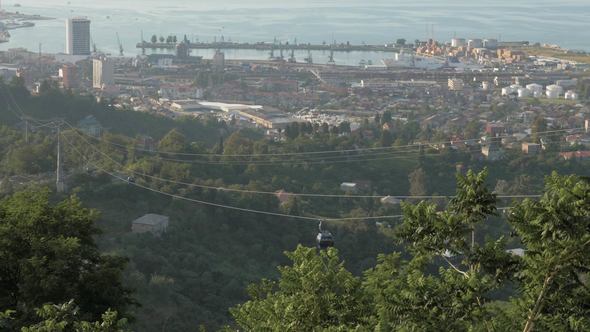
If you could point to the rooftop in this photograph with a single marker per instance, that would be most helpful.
(151, 219)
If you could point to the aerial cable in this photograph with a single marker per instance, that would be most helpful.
(414, 145)
(223, 206)
(286, 193)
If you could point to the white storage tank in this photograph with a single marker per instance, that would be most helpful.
(554, 91)
(571, 95)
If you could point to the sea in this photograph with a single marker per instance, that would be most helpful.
(562, 22)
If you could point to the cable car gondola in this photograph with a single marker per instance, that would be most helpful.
(325, 239)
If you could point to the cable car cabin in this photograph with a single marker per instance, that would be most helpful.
(325, 240)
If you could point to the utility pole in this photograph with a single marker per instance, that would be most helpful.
(27, 130)
(59, 181)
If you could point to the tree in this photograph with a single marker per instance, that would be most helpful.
(387, 117)
(401, 42)
(174, 141)
(48, 255)
(555, 231)
(386, 138)
(377, 118)
(344, 127)
(154, 39)
(539, 125)
(472, 130)
(315, 292)
(66, 317)
(162, 39)
(460, 292)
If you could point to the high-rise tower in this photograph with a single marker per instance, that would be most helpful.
(78, 36)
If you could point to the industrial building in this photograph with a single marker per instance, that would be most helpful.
(78, 36)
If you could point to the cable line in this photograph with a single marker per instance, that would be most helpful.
(415, 145)
(275, 214)
(286, 193)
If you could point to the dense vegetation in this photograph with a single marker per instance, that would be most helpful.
(191, 275)
(48, 255)
(449, 280)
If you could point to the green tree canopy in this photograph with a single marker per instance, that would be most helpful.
(48, 255)
(66, 317)
(315, 293)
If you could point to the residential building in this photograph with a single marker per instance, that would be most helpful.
(492, 152)
(495, 129)
(78, 36)
(69, 76)
(575, 155)
(103, 73)
(151, 223)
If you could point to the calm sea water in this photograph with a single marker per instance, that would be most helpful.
(563, 22)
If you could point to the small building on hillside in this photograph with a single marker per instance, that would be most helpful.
(152, 223)
(349, 187)
(90, 126)
(491, 152)
(531, 148)
(580, 155)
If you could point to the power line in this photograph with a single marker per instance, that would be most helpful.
(392, 155)
(285, 193)
(330, 160)
(415, 145)
(310, 160)
(223, 206)
(234, 207)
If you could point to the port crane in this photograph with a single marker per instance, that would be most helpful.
(94, 48)
(331, 58)
(121, 51)
(309, 59)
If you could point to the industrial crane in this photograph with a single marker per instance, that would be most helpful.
(121, 53)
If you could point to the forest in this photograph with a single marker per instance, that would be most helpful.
(192, 275)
